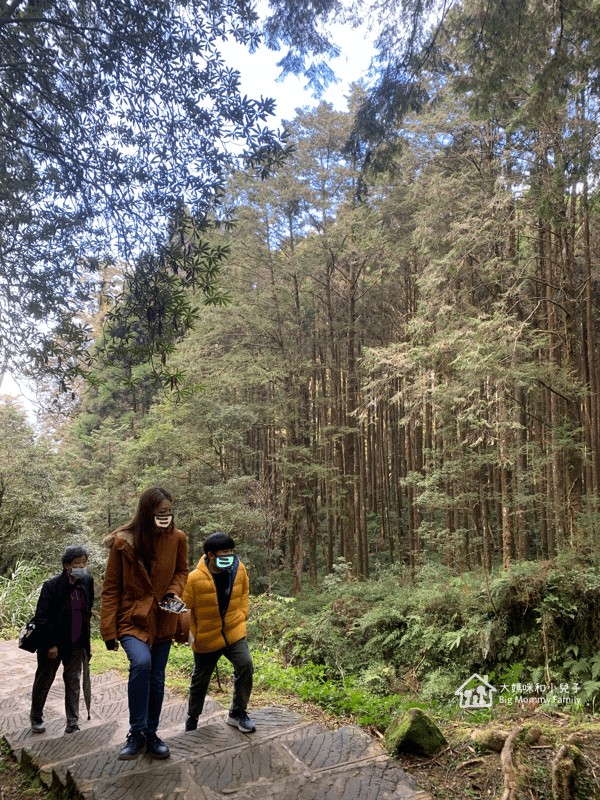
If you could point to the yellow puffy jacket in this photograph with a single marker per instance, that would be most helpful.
(210, 632)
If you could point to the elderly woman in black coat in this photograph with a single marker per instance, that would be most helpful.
(63, 617)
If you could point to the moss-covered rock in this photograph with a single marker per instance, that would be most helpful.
(490, 738)
(414, 732)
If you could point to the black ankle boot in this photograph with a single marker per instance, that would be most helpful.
(156, 747)
(136, 741)
(191, 724)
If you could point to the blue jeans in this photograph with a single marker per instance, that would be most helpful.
(146, 687)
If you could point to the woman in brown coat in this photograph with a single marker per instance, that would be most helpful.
(147, 565)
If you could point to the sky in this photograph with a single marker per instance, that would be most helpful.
(258, 76)
(259, 73)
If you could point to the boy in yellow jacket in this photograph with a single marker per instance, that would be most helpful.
(217, 593)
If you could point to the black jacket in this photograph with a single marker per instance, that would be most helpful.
(53, 613)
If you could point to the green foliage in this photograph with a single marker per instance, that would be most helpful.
(36, 516)
(19, 592)
(341, 572)
(269, 616)
(317, 684)
(386, 637)
(110, 110)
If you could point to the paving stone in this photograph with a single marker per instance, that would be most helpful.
(304, 730)
(17, 731)
(158, 783)
(331, 748)
(20, 697)
(275, 717)
(173, 715)
(109, 701)
(50, 751)
(17, 666)
(227, 772)
(105, 764)
(112, 677)
(208, 739)
(101, 766)
(380, 780)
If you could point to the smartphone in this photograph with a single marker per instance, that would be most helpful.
(173, 605)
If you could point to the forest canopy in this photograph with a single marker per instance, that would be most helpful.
(115, 115)
(405, 370)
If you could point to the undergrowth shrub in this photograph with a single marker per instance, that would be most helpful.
(19, 593)
(391, 635)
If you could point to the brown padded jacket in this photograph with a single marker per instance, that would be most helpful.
(130, 596)
(210, 632)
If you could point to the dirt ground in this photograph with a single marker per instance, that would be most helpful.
(14, 784)
(467, 769)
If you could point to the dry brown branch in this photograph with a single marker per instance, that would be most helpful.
(470, 763)
(512, 791)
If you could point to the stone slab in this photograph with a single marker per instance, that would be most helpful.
(258, 773)
(165, 782)
(379, 780)
(213, 738)
(332, 748)
(17, 666)
(233, 770)
(103, 765)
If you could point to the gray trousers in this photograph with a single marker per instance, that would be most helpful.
(44, 678)
(243, 672)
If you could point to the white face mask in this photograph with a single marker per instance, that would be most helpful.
(224, 562)
(78, 572)
(163, 520)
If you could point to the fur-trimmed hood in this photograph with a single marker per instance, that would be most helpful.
(109, 540)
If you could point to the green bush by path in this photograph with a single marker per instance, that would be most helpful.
(19, 594)
(393, 636)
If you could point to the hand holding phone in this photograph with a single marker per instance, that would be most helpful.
(173, 604)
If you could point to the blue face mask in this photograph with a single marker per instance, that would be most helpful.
(224, 562)
(78, 572)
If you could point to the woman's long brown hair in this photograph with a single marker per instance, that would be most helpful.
(141, 525)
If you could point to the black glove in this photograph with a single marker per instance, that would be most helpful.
(169, 596)
(111, 644)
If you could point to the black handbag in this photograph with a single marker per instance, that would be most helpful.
(30, 637)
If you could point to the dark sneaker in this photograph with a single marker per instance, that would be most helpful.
(72, 728)
(136, 741)
(156, 747)
(38, 727)
(191, 724)
(241, 721)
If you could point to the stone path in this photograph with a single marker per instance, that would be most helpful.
(287, 758)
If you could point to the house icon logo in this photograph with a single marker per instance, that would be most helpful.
(476, 692)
